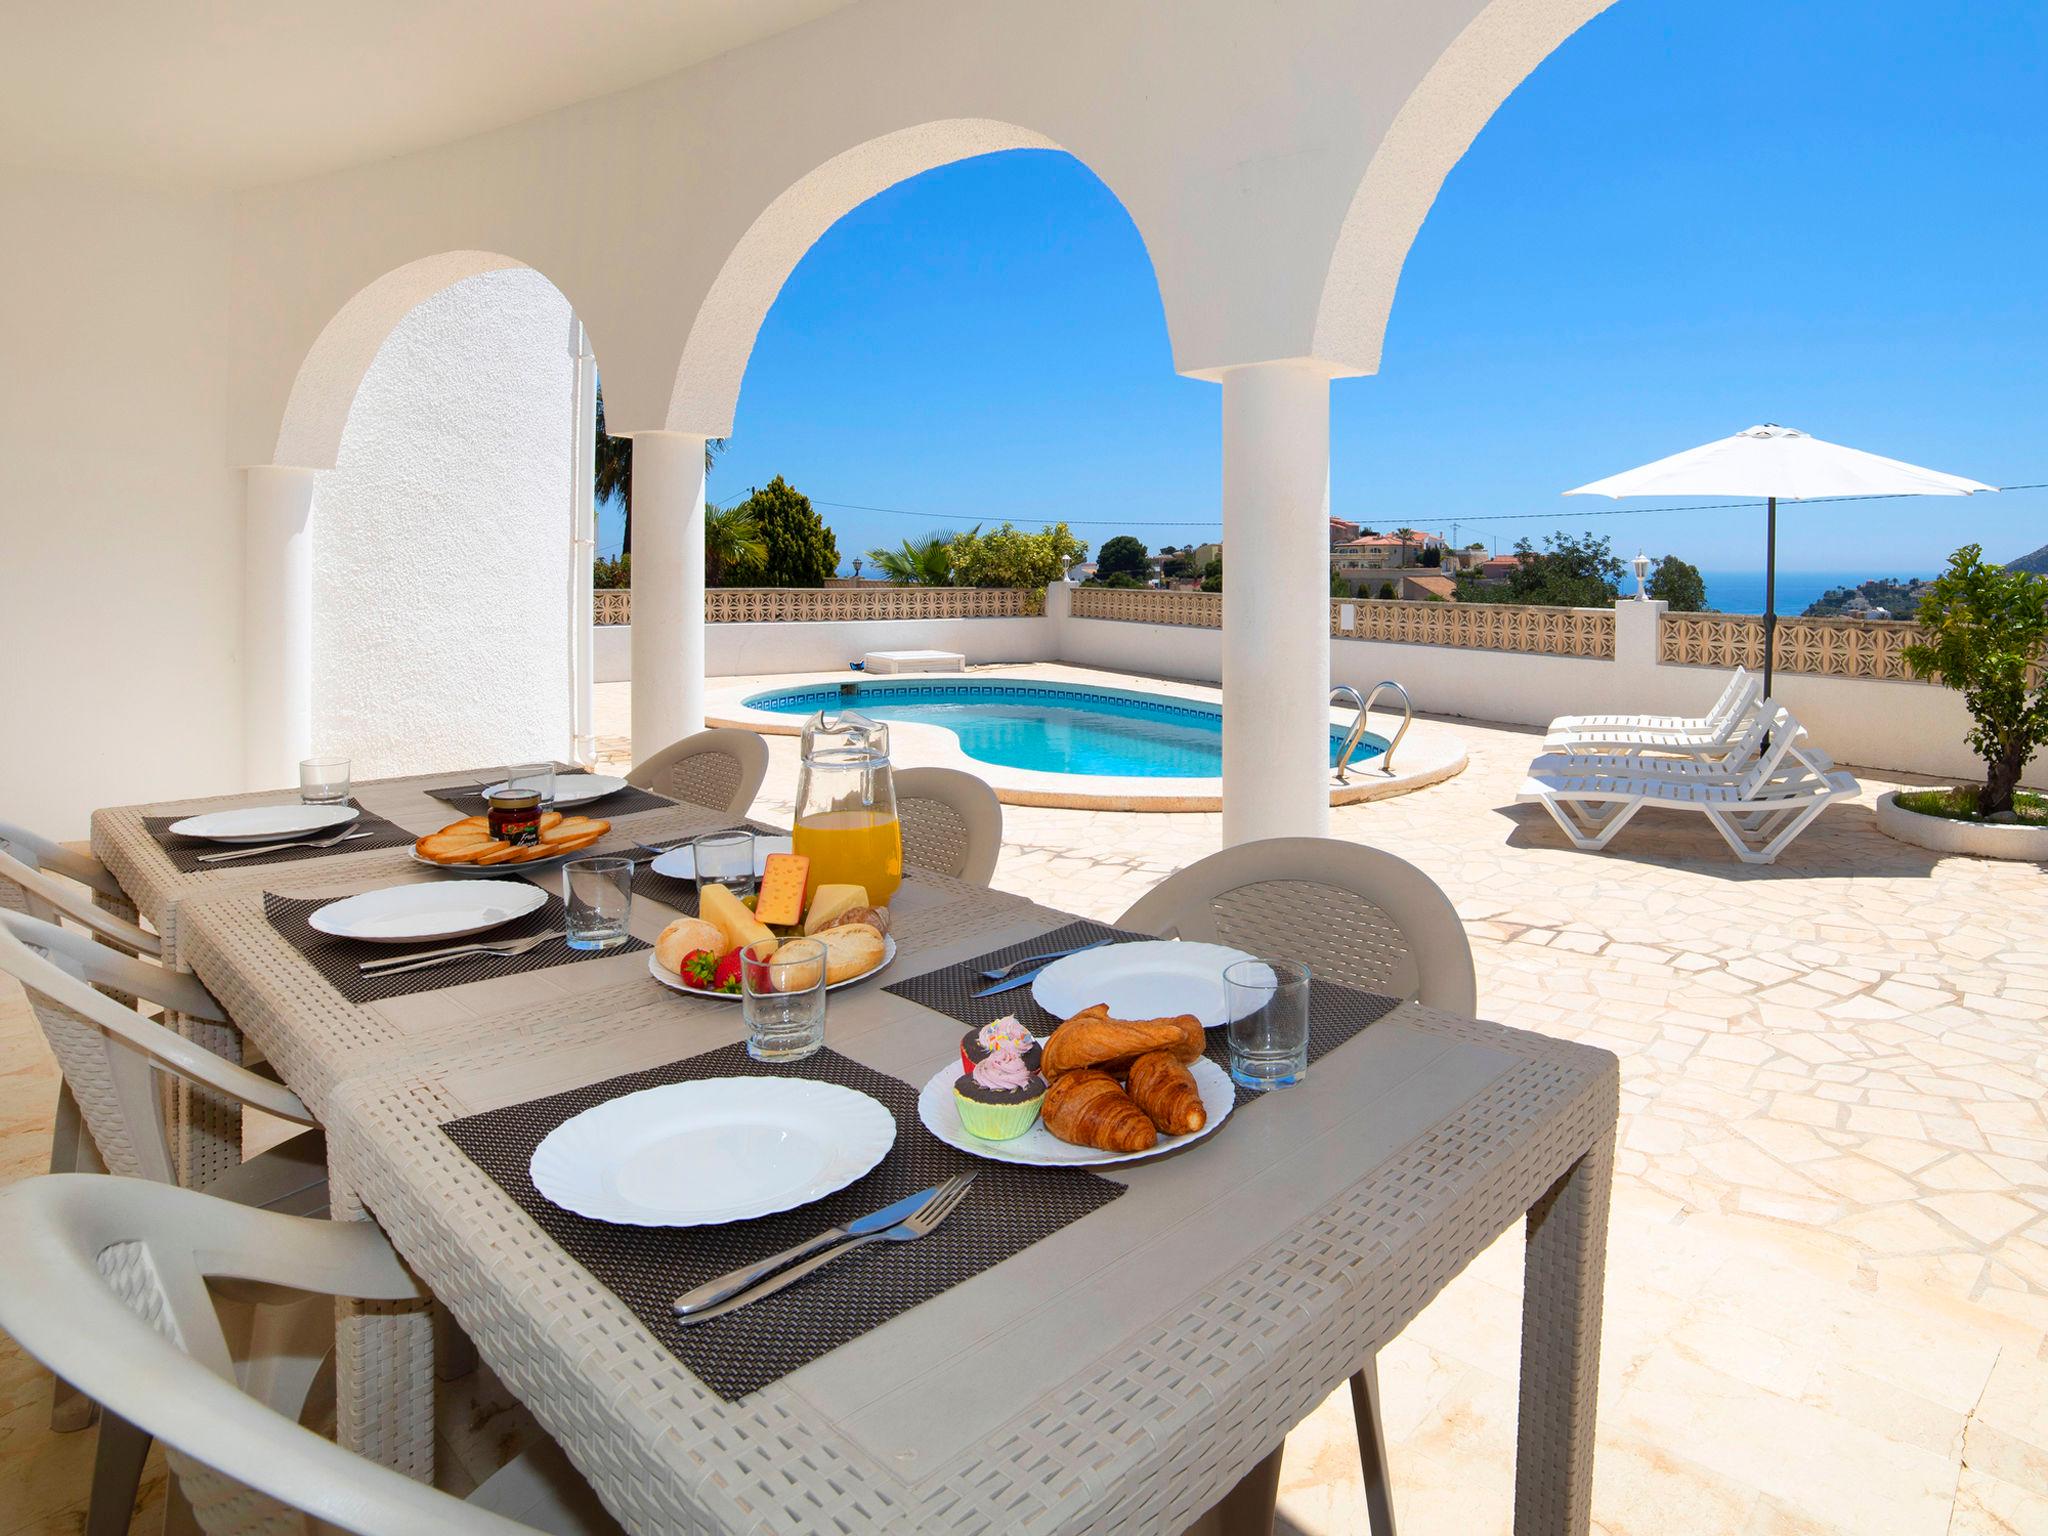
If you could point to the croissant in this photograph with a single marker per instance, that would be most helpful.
(1194, 1039)
(1165, 1090)
(1093, 1039)
(1089, 1109)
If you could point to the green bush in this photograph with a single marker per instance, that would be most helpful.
(1006, 557)
(798, 549)
(1679, 585)
(1987, 628)
(611, 573)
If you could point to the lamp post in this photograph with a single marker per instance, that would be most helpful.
(1642, 565)
(856, 567)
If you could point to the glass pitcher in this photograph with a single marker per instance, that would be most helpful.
(846, 807)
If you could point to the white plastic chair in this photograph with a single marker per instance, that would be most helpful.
(952, 823)
(721, 768)
(111, 1118)
(183, 1314)
(45, 853)
(1712, 739)
(27, 886)
(1768, 790)
(1741, 692)
(1357, 915)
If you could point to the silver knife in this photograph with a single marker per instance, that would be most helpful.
(1024, 980)
(711, 1292)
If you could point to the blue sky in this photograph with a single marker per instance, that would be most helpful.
(1691, 218)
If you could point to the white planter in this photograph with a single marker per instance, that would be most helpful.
(1978, 839)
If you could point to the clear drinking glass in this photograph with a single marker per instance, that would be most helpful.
(727, 859)
(599, 896)
(783, 1000)
(323, 781)
(1268, 1022)
(540, 776)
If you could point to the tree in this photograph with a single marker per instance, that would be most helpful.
(925, 562)
(1678, 584)
(1986, 628)
(1432, 558)
(1566, 573)
(1006, 557)
(615, 468)
(611, 573)
(1339, 587)
(799, 549)
(1386, 589)
(1406, 536)
(1212, 575)
(1122, 556)
(735, 554)
(1180, 566)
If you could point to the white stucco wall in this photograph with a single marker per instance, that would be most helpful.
(441, 539)
(121, 581)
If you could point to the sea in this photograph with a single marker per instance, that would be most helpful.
(1743, 591)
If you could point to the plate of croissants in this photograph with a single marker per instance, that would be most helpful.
(1098, 1089)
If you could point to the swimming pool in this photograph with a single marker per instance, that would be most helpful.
(1049, 727)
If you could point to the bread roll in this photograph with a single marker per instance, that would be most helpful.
(851, 950)
(684, 937)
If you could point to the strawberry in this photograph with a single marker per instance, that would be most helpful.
(700, 970)
(726, 978)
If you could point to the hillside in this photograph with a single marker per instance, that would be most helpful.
(1886, 598)
(2037, 562)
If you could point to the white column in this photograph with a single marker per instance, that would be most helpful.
(582, 550)
(277, 625)
(1276, 602)
(668, 589)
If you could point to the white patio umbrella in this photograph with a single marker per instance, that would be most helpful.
(1778, 464)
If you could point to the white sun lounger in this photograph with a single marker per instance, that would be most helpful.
(1713, 742)
(1735, 701)
(1758, 811)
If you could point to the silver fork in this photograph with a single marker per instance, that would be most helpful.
(1003, 971)
(508, 948)
(318, 842)
(936, 1210)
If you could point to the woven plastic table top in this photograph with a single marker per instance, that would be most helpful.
(468, 799)
(187, 854)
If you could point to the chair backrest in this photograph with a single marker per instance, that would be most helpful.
(719, 768)
(108, 1286)
(25, 887)
(110, 1054)
(1763, 761)
(1741, 691)
(39, 852)
(1354, 914)
(952, 823)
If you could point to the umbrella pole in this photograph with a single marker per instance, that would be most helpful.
(1770, 586)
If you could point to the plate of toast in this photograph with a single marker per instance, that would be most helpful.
(466, 847)
(1099, 1089)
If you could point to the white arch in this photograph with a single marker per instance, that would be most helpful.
(1436, 124)
(722, 332)
(316, 414)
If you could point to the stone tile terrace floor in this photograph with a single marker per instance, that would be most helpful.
(1827, 1292)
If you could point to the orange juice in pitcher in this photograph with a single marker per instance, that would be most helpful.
(846, 807)
(852, 847)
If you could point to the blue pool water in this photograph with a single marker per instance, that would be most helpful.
(1049, 727)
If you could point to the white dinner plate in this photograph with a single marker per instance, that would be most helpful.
(574, 788)
(1038, 1146)
(1144, 980)
(435, 909)
(724, 1149)
(681, 863)
(265, 823)
(672, 979)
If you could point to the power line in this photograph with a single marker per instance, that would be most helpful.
(1492, 517)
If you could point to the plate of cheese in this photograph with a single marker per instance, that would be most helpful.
(703, 954)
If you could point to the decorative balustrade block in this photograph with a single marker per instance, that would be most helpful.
(838, 605)
(614, 606)
(1583, 632)
(1825, 647)
(1134, 605)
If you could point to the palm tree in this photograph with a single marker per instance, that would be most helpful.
(925, 562)
(734, 551)
(615, 468)
(1407, 536)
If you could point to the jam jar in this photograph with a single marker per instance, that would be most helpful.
(515, 816)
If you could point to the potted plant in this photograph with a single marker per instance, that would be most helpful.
(1986, 633)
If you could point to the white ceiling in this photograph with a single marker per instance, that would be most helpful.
(227, 93)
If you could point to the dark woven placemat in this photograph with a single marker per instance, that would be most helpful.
(666, 889)
(1009, 1209)
(337, 959)
(184, 852)
(1335, 1012)
(469, 800)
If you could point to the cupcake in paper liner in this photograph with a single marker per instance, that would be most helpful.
(999, 1099)
(1006, 1034)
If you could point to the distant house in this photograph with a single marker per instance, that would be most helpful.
(1420, 588)
(1342, 532)
(1498, 568)
(1380, 552)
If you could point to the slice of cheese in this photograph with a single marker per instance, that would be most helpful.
(719, 907)
(830, 901)
(780, 900)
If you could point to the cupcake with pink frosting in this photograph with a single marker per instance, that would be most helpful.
(1006, 1034)
(998, 1100)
